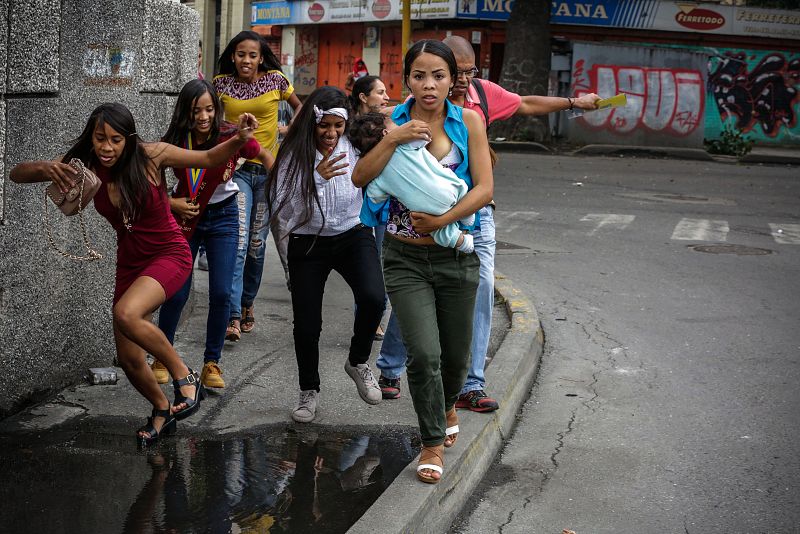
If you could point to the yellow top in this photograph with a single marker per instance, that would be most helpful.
(261, 98)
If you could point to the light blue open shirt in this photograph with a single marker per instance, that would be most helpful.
(415, 178)
(374, 213)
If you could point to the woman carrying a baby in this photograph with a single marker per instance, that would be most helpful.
(426, 195)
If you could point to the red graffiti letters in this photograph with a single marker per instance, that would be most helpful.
(669, 101)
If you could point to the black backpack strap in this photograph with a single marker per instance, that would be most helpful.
(476, 83)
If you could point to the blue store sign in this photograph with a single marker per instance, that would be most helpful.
(620, 13)
(484, 9)
(271, 13)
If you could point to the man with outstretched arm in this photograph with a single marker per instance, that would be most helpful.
(492, 103)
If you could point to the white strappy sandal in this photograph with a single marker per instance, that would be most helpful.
(427, 455)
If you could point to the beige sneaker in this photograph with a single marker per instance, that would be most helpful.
(212, 375)
(162, 375)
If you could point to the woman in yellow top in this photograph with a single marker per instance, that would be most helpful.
(251, 79)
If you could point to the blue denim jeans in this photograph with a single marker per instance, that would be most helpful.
(484, 302)
(251, 246)
(392, 358)
(217, 230)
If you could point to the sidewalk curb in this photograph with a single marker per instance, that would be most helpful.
(770, 159)
(408, 505)
(519, 146)
(697, 154)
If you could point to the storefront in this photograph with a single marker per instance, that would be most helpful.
(751, 78)
(322, 38)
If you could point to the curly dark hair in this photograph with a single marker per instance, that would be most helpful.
(367, 130)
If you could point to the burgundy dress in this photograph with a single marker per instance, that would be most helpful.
(153, 245)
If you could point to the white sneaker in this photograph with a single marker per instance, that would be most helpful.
(365, 381)
(306, 408)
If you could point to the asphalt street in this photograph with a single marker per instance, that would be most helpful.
(667, 397)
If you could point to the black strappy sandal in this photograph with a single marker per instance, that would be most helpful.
(169, 427)
(192, 404)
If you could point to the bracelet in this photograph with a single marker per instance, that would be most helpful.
(571, 101)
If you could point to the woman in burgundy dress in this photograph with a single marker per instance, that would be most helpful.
(153, 258)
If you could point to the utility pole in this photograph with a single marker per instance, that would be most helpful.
(406, 36)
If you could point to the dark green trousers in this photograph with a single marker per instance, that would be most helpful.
(432, 290)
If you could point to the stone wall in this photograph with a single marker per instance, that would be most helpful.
(58, 61)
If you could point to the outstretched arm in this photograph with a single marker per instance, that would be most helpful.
(541, 105)
(59, 173)
(166, 155)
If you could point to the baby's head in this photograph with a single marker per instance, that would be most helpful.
(367, 130)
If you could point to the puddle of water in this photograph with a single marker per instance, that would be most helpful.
(278, 481)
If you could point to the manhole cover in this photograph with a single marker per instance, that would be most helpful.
(503, 245)
(739, 250)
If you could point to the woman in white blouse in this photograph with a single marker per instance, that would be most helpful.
(313, 197)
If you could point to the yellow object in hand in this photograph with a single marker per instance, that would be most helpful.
(612, 102)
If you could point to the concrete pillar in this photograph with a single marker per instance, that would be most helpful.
(59, 62)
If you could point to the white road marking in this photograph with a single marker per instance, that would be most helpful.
(786, 234)
(512, 220)
(601, 220)
(701, 230)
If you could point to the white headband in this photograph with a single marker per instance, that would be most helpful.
(339, 112)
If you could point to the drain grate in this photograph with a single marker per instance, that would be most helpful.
(739, 250)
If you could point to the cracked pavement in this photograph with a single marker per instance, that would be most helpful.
(666, 397)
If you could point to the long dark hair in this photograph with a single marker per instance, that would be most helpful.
(268, 59)
(129, 173)
(363, 86)
(430, 46)
(182, 121)
(297, 156)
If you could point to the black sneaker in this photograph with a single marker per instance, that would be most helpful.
(390, 387)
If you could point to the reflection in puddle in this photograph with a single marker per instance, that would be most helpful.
(274, 482)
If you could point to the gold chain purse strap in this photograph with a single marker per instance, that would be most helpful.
(92, 254)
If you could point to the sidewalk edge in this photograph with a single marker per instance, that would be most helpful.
(408, 505)
(696, 154)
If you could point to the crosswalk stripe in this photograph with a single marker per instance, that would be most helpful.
(701, 230)
(785, 234)
(613, 220)
(513, 220)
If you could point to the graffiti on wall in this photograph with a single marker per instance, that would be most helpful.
(107, 65)
(757, 97)
(305, 63)
(664, 100)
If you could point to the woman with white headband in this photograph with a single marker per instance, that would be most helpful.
(311, 193)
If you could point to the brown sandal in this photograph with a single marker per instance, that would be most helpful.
(430, 459)
(451, 432)
(248, 319)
